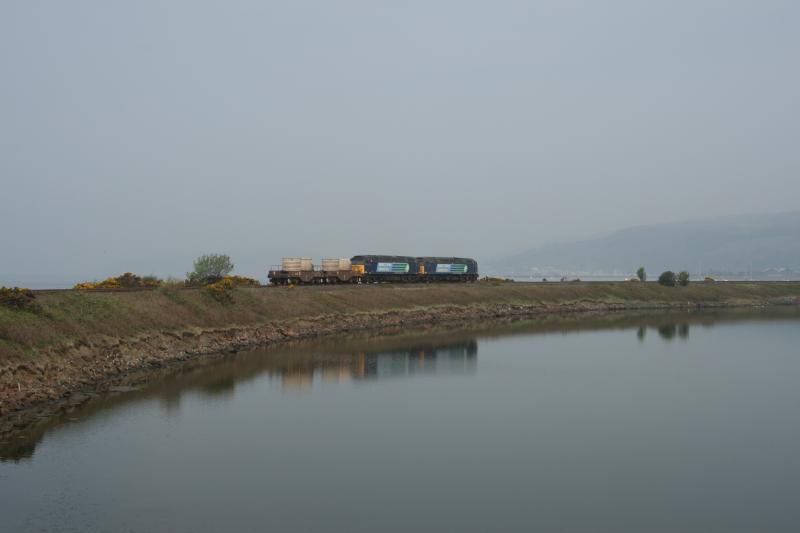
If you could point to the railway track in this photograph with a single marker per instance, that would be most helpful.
(588, 282)
(125, 289)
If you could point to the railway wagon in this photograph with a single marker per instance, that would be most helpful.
(300, 271)
(408, 269)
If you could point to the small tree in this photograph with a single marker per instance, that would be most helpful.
(210, 268)
(668, 278)
(641, 274)
(683, 278)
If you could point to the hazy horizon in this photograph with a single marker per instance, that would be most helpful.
(138, 136)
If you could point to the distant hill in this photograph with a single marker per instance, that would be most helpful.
(766, 243)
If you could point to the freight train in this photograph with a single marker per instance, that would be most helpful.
(374, 269)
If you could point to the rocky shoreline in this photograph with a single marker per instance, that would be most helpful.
(63, 377)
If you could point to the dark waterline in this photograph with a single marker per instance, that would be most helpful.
(676, 422)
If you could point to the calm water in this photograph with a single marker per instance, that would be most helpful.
(687, 422)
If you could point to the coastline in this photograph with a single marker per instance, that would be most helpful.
(61, 372)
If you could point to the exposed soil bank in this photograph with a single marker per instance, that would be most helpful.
(116, 337)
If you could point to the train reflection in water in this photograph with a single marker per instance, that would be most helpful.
(301, 373)
(293, 368)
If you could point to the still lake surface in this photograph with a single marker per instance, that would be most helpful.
(665, 422)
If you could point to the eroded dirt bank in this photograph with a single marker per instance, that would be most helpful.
(61, 375)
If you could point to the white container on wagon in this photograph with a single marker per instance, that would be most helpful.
(295, 264)
(290, 264)
(344, 264)
(330, 264)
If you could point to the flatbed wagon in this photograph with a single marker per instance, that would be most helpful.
(310, 277)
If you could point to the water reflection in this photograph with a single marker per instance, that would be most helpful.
(667, 331)
(450, 359)
(304, 366)
(294, 368)
(304, 372)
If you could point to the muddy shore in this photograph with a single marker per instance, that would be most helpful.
(62, 377)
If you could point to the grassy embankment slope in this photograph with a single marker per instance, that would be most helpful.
(67, 318)
(79, 341)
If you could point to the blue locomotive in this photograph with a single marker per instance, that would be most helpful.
(399, 268)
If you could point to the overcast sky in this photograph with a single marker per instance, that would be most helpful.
(137, 135)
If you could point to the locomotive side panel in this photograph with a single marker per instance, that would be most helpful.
(450, 268)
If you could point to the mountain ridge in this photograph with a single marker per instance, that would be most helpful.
(729, 244)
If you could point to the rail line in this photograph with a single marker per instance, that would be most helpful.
(343, 286)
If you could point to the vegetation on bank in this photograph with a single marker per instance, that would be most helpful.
(18, 299)
(128, 280)
(221, 289)
(73, 317)
(211, 271)
(670, 279)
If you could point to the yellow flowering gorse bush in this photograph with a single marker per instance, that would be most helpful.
(126, 280)
(18, 298)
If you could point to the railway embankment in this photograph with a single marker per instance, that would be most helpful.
(79, 341)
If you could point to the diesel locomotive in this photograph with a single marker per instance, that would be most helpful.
(374, 269)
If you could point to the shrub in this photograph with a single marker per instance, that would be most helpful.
(150, 281)
(242, 281)
(683, 278)
(668, 278)
(220, 290)
(172, 283)
(108, 283)
(209, 268)
(641, 273)
(127, 280)
(18, 298)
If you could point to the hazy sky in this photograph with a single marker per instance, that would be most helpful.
(137, 135)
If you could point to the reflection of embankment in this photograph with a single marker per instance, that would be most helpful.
(297, 368)
(302, 364)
